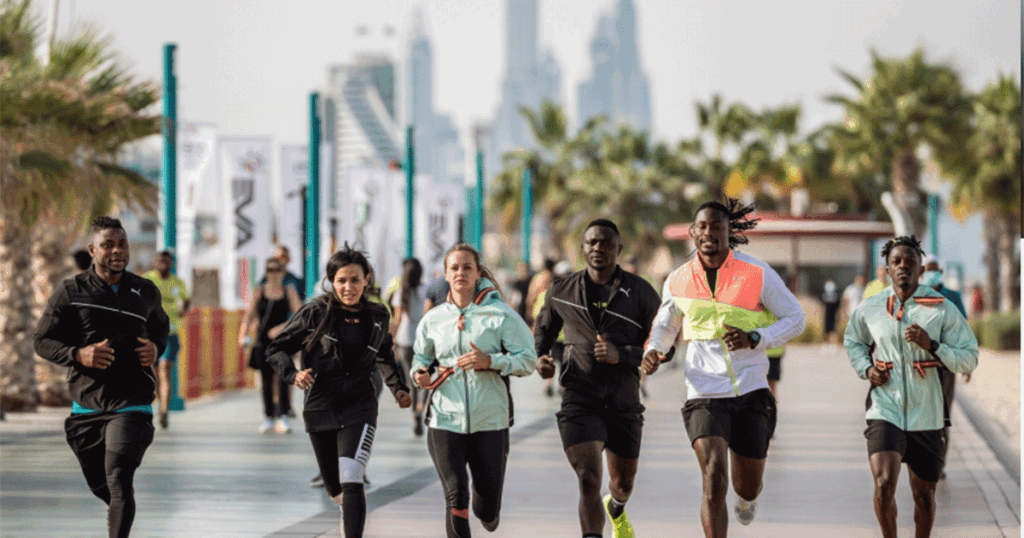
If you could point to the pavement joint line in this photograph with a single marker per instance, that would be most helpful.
(987, 431)
(406, 486)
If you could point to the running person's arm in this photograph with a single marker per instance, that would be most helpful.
(519, 357)
(647, 308)
(389, 370)
(857, 340)
(546, 327)
(958, 347)
(291, 340)
(664, 331)
(790, 318)
(423, 354)
(53, 340)
(158, 325)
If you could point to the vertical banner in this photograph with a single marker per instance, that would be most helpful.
(196, 145)
(244, 170)
(330, 241)
(290, 215)
(437, 211)
(394, 250)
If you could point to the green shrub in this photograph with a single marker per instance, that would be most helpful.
(999, 331)
(811, 335)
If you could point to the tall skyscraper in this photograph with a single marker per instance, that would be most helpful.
(618, 87)
(438, 150)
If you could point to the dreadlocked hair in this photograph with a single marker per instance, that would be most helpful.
(904, 241)
(346, 256)
(737, 215)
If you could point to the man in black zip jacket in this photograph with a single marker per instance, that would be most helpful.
(607, 315)
(108, 326)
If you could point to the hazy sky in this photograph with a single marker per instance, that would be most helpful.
(249, 65)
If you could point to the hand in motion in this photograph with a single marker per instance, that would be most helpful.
(652, 361)
(605, 352)
(475, 360)
(735, 338)
(98, 355)
(147, 352)
(916, 335)
(304, 379)
(403, 399)
(546, 366)
(421, 378)
(878, 374)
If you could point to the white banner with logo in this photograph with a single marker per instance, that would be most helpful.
(244, 171)
(329, 214)
(290, 218)
(438, 207)
(196, 144)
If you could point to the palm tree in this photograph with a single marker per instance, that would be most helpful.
(63, 125)
(989, 180)
(767, 154)
(905, 106)
(726, 127)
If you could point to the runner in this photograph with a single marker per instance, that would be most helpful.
(606, 314)
(474, 341)
(175, 304)
(408, 306)
(343, 339)
(107, 325)
(724, 302)
(915, 331)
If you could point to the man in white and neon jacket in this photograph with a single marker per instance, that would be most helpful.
(725, 303)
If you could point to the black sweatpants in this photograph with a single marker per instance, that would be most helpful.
(268, 376)
(353, 443)
(485, 453)
(109, 448)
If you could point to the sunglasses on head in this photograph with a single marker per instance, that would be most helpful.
(274, 269)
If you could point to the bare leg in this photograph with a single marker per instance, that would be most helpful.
(924, 504)
(621, 473)
(885, 468)
(585, 459)
(164, 373)
(712, 454)
(747, 474)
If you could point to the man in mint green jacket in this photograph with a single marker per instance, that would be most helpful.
(917, 336)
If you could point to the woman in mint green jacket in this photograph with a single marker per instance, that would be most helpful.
(471, 344)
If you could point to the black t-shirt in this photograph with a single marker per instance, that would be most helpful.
(353, 334)
(597, 297)
(712, 279)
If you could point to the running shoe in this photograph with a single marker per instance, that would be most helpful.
(745, 510)
(417, 428)
(282, 425)
(620, 525)
(491, 526)
(163, 421)
(317, 481)
(267, 426)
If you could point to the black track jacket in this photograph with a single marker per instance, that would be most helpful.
(626, 322)
(84, 310)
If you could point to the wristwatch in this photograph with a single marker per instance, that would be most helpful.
(755, 338)
(933, 347)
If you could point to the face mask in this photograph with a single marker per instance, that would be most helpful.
(932, 279)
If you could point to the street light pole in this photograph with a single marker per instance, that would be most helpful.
(312, 198)
(169, 185)
(527, 212)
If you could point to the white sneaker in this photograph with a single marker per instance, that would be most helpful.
(266, 426)
(282, 425)
(745, 510)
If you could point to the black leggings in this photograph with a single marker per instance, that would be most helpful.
(268, 377)
(109, 448)
(342, 456)
(486, 454)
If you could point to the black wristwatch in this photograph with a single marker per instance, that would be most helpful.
(933, 347)
(755, 338)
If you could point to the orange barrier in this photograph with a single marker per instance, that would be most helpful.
(211, 359)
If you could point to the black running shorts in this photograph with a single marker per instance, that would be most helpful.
(580, 422)
(747, 422)
(128, 434)
(921, 450)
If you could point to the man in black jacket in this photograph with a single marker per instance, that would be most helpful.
(108, 326)
(607, 315)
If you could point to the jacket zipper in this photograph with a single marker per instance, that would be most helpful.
(725, 349)
(465, 375)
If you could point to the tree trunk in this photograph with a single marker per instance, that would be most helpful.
(17, 322)
(50, 265)
(1009, 294)
(906, 188)
(991, 258)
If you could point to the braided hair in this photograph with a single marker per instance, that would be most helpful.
(903, 241)
(737, 215)
(346, 256)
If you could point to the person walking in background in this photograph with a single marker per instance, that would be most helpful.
(175, 300)
(272, 304)
(977, 302)
(474, 341)
(282, 253)
(913, 331)
(538, 283)
(520, 289)
(408, 307)
(436, 293)
(831, 299)
(731, 307)
(852, 296)
(343, 338)
(606, 314)
(108, 326)
(878, 284)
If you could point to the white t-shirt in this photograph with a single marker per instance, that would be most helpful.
(405, 336)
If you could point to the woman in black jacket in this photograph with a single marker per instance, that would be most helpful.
(343, 338)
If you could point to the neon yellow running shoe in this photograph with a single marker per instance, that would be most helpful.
(620, 525)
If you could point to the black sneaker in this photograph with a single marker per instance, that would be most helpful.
(317, 481)
(417, 428)
(164, 423)
(491, 525)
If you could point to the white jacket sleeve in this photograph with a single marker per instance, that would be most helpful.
(790, 318)
(667, 322)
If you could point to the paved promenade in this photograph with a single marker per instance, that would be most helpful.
(212, 475)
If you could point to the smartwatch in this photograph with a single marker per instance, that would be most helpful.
(755, 338)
